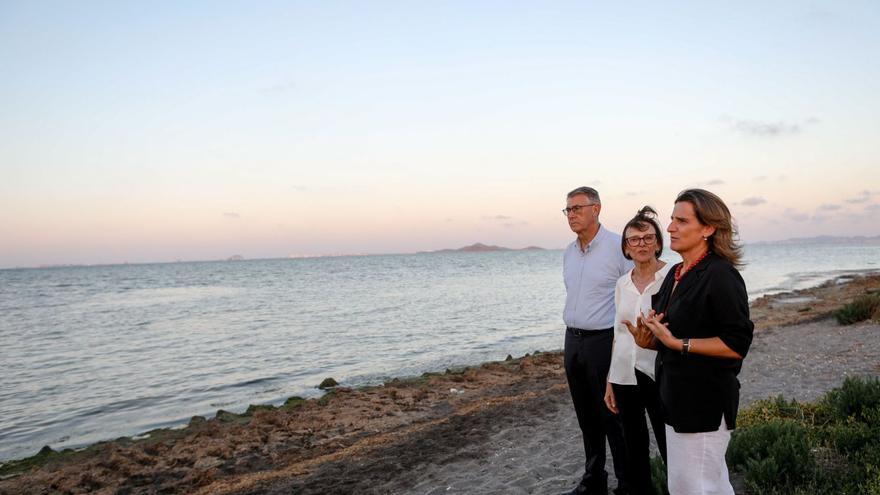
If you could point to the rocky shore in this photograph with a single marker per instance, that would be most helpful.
(501, 427)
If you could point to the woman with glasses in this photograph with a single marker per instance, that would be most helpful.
(701, 330)
(631, 389)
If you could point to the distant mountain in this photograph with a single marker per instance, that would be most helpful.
(826, 239)
(482, 248)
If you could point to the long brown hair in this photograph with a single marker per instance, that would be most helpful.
(712, 211)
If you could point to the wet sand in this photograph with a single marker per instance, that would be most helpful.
(503, 427)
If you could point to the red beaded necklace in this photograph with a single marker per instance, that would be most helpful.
(679, 273)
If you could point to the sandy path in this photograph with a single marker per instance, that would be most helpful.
(537, 449)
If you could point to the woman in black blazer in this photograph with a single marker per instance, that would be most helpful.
(701, 329)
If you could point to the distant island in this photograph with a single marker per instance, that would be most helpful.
(825, 239)
(482, 248)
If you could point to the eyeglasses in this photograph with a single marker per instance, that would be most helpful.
(576, 208)
(636, 240)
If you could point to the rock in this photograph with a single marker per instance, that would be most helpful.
(328, 383)
(509, 358)
(292, 402)
(207, 462)
(46, 450)
(229, 417)
(258, 407)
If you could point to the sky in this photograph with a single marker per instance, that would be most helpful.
(163, 131)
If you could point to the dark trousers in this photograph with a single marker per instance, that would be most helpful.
(587, 359)
(632, 402)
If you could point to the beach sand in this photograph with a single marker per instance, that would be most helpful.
(503, 427)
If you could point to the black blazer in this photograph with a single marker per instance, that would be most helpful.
(710, 301)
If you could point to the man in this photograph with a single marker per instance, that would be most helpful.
(591, 267)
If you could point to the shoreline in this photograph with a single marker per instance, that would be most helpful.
(304, 443)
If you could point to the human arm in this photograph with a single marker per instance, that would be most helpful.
(642, 335)
(610, 401)
(709, 346)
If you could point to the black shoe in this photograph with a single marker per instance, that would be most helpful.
(578, 490)
(583, 490)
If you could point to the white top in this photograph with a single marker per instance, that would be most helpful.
(626, 356)
(590, 276)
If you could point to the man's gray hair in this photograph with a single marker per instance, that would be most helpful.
(588, 191)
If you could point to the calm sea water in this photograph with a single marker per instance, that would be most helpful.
(93, 353)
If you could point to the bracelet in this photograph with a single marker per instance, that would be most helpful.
(685, 346)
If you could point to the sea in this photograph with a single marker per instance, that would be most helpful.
(98, 352)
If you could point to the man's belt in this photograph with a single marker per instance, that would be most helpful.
(580, 332)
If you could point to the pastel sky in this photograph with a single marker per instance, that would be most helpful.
(158, 131)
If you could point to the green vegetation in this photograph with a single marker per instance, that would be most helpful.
(862, 308)
(329, 382)
(658, 476)
(45, 455)
(831, 446)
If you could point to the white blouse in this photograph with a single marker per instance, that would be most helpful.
(626, 356)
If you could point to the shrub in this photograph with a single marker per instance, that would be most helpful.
(764, 410)
(775, 454)
(862, 308)
(852, 437)
(658, 476)
(856, 398)
(832, 446)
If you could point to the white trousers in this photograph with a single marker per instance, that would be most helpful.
(696, 464)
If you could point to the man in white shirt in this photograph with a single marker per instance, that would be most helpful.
(591, 266)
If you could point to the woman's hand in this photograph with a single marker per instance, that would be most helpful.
(610, 402)
(660, 330)
(641, 334)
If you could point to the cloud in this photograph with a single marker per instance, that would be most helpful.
(300, 188)
(760, 178)
(753, 201)
(280, 88)
(506, 221)
(818, 15)
(863, 198)
(231, 214)
(818, 218)
(795, 215)
(830, 207)
(767, 129)
(635, 193)
(872, 208)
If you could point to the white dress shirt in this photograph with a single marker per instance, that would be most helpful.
(590, 276)
(626, 356)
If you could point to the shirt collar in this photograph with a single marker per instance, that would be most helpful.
(599, 235)
(658, 275)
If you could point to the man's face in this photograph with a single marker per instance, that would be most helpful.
(584, 214)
